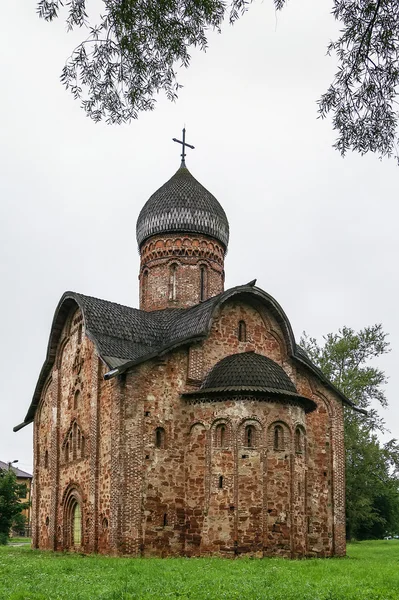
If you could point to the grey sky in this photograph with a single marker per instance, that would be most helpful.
(319, 232)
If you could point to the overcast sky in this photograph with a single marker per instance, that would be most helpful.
(318, 232)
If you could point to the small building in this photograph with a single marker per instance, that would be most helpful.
(26, 479)
(194, 425)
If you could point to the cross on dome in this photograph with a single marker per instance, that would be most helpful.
(184, 144)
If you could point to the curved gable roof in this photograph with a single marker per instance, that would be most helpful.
(125, 336)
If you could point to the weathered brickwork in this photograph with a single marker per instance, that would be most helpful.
(153, 473)
(180, 271)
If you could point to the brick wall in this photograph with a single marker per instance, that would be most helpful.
(174, 269)
(154, 477)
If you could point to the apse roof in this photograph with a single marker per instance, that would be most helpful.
(125, 336)
(249, 373)
(248, 370)
(182, 205)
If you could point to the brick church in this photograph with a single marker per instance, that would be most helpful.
(194, 425)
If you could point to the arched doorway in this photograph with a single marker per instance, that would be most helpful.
(73, 520)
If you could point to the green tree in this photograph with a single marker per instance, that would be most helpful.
(372, 468)
(11, 506)
(133, 51)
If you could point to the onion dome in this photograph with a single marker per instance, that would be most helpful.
(183, 205)
(249, 373)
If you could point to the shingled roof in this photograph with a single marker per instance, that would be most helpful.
(182, 204)
(249, 373)
(125, 336)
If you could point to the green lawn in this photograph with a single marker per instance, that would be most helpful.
(370, 572)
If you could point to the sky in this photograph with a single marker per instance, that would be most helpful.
(319, 232)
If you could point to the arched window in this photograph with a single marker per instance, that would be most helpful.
(67, 452)
(160, 437)
(242, 331)
(221, 435)
(172, 282)
(278, 440)
(165, 519)
(144, 286)
(203, 283)
(46, 459)
(80, 334)
(298, 441)
(76, 525)
(76, 399)
(220, 482)
(250, 436)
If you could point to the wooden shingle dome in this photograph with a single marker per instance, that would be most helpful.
(183, 205)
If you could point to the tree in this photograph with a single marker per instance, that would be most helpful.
(132, 54)
(372, 468)
(11, 506)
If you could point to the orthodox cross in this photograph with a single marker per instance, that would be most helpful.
(184, 144)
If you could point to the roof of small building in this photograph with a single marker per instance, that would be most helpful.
(125, 336)
(182, 204)
(18, 472)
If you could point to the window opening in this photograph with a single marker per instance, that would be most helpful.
(76, 399)
(67, 452)
(202, 283)
(160, 437)
(278, 438)
(220, 482)
(298, 441)
(250, 436)
(165, 519)
(46, 459)
(80, 328)
(221, 435)
(144, 286)
(172, 282)
(242, 331)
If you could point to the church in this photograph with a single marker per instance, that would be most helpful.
(192, 426)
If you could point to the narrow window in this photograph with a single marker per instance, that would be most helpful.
(172, 282)
(144, 286)
(202, 283)
(80, 334)
(67, 452)
(278, 443)
(46, 459)
(160, 437)
(298, 441)
(76, 399)
(220, 482)
(75, 430)
(221, 435)
(165, 519)
(76, 525)
(82, 446)
(242, 331)
(250, 436)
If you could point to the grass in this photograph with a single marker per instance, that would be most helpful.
(370, 572)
